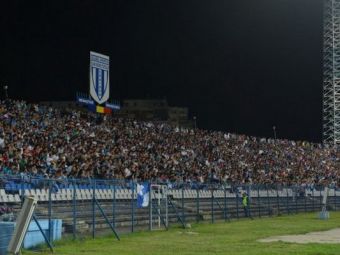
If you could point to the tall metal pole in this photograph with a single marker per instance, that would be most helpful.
(258, 200)
(183, 212)
(335, 202)
(268, 202)
(132, 205)
(159, 206)
(320, 200)
(114, 205)
(313, 199)
(237, 200)
(93, 208)
(305, 196)
(296, 200)
(50, 211)
(165, 193)
(212, 205)
(74, 199)
(150, 207)
(287, 202)
(225, 202)
(197, 205)
(278, 199)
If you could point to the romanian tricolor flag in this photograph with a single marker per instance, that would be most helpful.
(102, 109)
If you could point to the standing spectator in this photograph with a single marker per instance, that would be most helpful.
(246, 207)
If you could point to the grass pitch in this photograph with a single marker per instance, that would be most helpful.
(235, 237)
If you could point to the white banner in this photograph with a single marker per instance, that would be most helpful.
(99, 77)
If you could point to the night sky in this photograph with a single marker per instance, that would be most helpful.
(239, 65)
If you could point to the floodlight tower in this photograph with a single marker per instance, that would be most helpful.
(331, 73)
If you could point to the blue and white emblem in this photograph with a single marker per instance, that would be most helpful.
(99, 77)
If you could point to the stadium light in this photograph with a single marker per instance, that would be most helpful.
(274, 130)
(5, 89)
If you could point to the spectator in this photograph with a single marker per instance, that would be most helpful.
(42, 141)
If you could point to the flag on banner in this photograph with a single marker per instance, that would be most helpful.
(143, 191)
(100, 109)
(91, 107)
(107, 110)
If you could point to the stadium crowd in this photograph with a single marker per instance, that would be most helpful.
(40, 140)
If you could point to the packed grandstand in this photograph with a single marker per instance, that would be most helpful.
(41, 141)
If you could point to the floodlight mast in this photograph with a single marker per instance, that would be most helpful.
(331, 73)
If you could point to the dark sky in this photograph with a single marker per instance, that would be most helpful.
(239, 65)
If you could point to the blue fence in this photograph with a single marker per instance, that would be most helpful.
(94, 207)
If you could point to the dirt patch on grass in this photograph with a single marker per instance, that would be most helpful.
(188, 233)
(329, 236)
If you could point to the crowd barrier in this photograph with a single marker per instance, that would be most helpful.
(95, 207)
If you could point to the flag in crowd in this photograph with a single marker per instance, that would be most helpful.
(143, 191)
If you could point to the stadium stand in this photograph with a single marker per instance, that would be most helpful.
(54, 155)
(41, 141)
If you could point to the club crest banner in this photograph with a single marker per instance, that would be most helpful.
(99, 77)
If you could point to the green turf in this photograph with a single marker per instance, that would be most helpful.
(236, 237)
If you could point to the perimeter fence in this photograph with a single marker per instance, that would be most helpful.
(85, 207)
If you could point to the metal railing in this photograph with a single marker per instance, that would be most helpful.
(95, 207)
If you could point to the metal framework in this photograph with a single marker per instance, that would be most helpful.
(158, 206)
(331, 82)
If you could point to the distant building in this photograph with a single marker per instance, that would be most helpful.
(155, 110)
(61, 104)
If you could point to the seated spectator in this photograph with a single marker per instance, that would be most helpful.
(6, 213)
